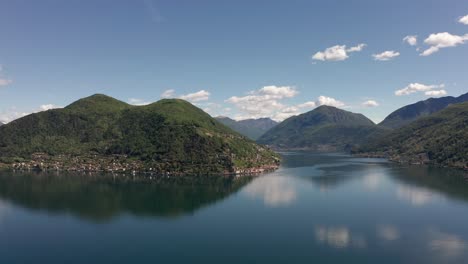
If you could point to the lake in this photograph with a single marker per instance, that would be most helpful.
(317, 208)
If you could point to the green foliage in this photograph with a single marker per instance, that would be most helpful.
(169, 135)
(324, 128)
(441, 138)
(409, 113)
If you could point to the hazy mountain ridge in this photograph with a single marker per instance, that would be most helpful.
(409, 113)
(251, 128)
(102, 133)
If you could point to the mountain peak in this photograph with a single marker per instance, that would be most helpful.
(409, 113)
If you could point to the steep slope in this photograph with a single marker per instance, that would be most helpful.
(324, 128)
(102, 133)
(441, 138)
(1, 124)
(251, 128)
(409, 113)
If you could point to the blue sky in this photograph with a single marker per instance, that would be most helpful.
(236, 58)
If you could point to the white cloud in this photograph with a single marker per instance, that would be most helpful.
(46, 107)
(417, 87)
(411, 40)
(310, 104)
(201, 95)
(324, 100)
(337, 53)
(168, 93)
(436, 93)
(5, 82)
(463, 20)
(268, 102)
(386, 55)
(442, 40)
(13, 114)
(359, 47)
(137, 101)
(370, 103)
(279, 92)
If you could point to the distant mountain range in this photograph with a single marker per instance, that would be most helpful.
(440, 138)
(325, 128)
(409, 113)
(101, 133)
(251, 128)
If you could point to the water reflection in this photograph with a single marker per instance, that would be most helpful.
(102, 197)
(339, 237)
(446, 245)
(388, 232)
(274, 190)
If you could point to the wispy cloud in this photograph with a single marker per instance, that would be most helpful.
(386, 55)
(337, 53)
(418, 87)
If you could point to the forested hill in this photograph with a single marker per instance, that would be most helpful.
(325, 128)
(440, 138)
(409, 113)
(102, 133)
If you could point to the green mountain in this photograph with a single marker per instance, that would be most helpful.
(441, 139)
(409, 113)
(324, 128)
(251, 128)
(102, 133)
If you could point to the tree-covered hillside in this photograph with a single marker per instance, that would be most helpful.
(441, 138)
(102, 133)
(410, 113)
(324, 128)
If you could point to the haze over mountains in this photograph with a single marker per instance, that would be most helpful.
(251, 128)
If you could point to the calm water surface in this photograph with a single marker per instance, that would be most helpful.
(318, 208)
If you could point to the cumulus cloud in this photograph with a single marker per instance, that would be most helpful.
(13, 114)
(137, 101)
(436, 93)
(268, 102)
(337, 53)
(411, 40)
(46, 107)
(463, 20)
(388, 232)
(370, 103)
(201, 95)
(324, 100)
(417, 87)
(168, 93)
(442, 40)
(386, 55)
